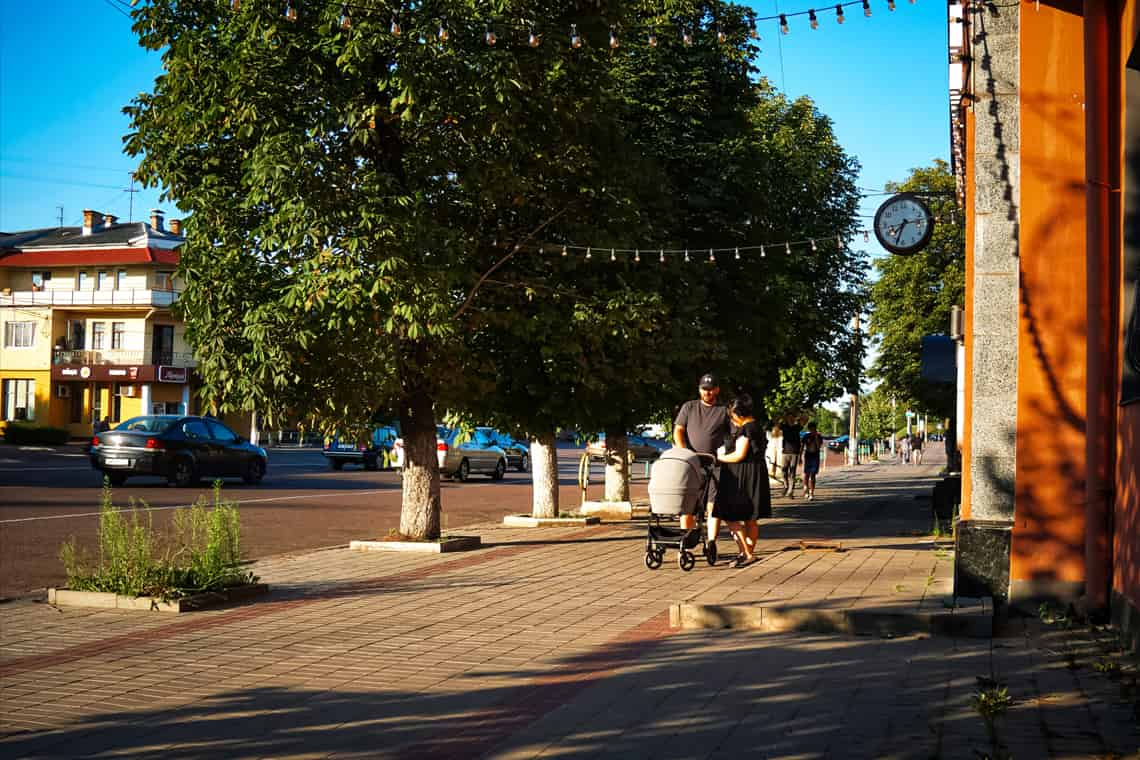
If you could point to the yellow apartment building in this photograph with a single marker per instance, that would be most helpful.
(86, 323)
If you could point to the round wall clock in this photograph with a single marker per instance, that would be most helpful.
(904, 224)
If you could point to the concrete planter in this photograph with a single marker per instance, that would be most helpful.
(447, 544)
(526, 521)
(62, 597)
(608, 510)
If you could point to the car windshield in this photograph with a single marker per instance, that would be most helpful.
(147, 424)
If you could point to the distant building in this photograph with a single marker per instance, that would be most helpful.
(87, 328)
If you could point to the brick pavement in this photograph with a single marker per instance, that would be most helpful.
(556, 643)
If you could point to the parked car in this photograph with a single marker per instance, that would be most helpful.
(181, 449)
(644, 448)
(838, 444)
(372, 453)
(518, 452)
(460, 455)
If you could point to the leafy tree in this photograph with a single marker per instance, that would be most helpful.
(876, 415)
(913, 295)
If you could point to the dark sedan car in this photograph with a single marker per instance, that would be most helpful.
(180, 449)
(518, 452)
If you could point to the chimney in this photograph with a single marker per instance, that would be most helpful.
(109, 221)
(156, 219)
(176, 227)
(91, 220)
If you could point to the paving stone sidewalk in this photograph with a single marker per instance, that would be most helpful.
(556, 642)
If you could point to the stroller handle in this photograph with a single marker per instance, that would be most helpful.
(706, 458)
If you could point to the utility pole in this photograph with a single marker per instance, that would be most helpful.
(853, 432)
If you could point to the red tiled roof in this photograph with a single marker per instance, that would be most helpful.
(89, 257)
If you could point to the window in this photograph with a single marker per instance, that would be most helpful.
(81, 281)
(221, 433)
(19, 334)
(118, 331)
(196, 431)
(98, 335)
(19, 399)
(121, 279)
(164, 279)
(39, 279)
(102, 279)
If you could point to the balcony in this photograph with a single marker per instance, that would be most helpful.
(122, 357)
(126, 297)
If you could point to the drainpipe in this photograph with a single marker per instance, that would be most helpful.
(1102, 193)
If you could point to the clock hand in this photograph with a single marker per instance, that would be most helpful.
(898, 235)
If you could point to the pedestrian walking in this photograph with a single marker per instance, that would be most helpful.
(812, 445)
(790, 431)
(904, 450)
(702, 425)
(916, 448)
(743, 496)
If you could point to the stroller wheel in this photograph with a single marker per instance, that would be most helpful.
(653, 559)
(710, 552)
(686, 560)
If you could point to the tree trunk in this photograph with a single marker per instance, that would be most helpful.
(419, 512)
(617, 466)
(544, 474)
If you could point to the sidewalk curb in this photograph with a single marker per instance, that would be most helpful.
(962, 622)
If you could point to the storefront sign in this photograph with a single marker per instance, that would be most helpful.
(172, 374)
(108, 373)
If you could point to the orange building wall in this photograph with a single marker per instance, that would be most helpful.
(968, 416)
(1126, 515)
(1048, 532)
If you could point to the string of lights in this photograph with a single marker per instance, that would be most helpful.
(708, 254)
(399, 22)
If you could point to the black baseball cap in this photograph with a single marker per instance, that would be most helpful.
(708, 381)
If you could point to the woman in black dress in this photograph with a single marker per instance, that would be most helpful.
(743, 496)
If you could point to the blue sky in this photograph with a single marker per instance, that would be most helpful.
(68, 67)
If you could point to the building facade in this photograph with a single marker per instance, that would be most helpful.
(1045, 103)
(87, 326)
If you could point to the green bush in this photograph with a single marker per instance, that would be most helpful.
(23, 433)
(201, 553)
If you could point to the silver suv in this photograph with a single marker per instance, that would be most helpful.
(461, 455)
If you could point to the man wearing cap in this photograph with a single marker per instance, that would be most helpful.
(702, 425)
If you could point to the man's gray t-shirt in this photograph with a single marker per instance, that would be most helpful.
(706, 426)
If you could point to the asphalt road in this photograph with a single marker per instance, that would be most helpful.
(48, 495)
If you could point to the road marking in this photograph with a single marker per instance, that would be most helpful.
(186, 506)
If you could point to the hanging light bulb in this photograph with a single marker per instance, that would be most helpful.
(589, 253)
(813, 247)
(443, 34)
(563, 251)
(614, 44)
(686, 255)
(613, 255)
(866, 236)
(662, 255)
(839, 242)
(533, 40)
(575, 38)
(890, 5)
(712, 259)
(652, 36)
(637, 256)
(394, 27)
(686, 36)
(788, 248)
(813, 19)
(763, 253)
(290, 11)
(489, 35)
(839, 14)
(784, 24)
(736, 254)
(867, 8)
(720, 35)
(345, 19)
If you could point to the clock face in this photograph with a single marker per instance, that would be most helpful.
(903, 224)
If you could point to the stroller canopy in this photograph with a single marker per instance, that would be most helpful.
(675, 482)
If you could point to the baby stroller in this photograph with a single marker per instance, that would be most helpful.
(678, 485)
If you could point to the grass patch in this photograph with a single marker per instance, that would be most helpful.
(202, 551)
(991, 702)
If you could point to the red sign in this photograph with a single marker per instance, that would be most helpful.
(172, 374)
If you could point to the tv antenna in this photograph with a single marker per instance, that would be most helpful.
(60, 208)
(131, 205)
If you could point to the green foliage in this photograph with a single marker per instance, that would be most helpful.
(202, 554)
(991, 702)
(877, 418)
(25, 434)
(913, 295)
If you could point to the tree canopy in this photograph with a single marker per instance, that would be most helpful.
(913, 295)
